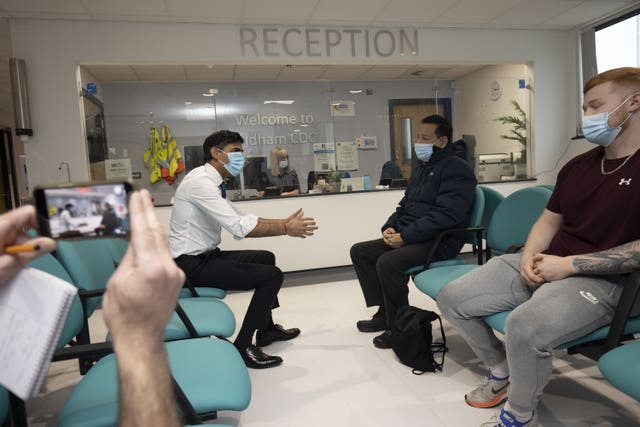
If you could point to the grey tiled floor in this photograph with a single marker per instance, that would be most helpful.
(332, 374)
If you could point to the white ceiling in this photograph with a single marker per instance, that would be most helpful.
(494, 14)
(220, 73)
(520, 14)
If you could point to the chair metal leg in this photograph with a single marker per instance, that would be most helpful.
(188, 411)
(17, 412)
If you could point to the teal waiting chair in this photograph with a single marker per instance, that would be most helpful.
(547, 186)
(621, 367)
(209, 371)
(4, 405)
(91, 263)
(118, 248)
(508, 225)
(473, 236)
(209, 374)
(492, 199)
(604, 339)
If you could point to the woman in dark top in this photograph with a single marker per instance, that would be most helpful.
(280, 174)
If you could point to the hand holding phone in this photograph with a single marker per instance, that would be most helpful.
(83, 210)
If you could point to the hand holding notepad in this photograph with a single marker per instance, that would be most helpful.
(33, 311)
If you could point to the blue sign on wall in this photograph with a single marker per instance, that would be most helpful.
(92, 88)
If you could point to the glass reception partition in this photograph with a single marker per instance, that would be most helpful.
(330, 129)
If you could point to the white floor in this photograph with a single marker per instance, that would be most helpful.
(332, 375)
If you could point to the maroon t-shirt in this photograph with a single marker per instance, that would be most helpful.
(599, 211)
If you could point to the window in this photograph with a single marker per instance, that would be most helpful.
(618, 43)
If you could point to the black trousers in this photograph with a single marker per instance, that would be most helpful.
(239, 271)
(381, 273)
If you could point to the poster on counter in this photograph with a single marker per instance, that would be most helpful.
(118, 169)
(324, 156)
(347, 155)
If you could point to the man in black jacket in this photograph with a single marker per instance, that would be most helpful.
(439, 196)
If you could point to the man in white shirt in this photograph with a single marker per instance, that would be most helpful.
(200, 211)
(66, 224)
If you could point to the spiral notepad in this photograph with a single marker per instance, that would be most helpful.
(33, 310)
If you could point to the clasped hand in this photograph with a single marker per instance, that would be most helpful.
(537, 268)
(392, 238)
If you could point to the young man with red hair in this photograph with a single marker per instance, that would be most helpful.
(568, 279)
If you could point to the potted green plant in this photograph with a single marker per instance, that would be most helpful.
(518, 131)
(334, 177)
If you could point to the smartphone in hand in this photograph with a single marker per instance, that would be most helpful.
(83, 210)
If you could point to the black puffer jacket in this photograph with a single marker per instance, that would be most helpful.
(439, 195)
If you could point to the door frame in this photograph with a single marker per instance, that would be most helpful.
(446, 113)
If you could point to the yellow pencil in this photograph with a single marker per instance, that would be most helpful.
(16, 249)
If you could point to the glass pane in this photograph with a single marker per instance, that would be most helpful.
(617, 45)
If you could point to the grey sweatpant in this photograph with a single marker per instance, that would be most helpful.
(551, 315)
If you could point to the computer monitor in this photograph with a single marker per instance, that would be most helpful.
(271, 192)
(398, 183)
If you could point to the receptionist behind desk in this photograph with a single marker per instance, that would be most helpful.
(281, 174)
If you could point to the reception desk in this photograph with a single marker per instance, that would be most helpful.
(343, 218)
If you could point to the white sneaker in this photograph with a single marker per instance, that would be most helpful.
(507, 419)
(489, 394)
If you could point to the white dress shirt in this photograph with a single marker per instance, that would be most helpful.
(200, 212)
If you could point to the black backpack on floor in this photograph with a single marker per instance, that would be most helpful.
(412, 340)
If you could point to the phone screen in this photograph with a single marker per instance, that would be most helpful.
(86, 210)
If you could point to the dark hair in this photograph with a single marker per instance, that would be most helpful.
(68, 205)
(443, 127)
(219, 139)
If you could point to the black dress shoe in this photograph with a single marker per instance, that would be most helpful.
(277, 333)
(254, 358)
(377, 323)
(383, 340)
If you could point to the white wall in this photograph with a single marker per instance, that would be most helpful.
(475, 111)
(53, 50)
(343, 219)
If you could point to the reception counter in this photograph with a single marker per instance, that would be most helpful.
(343, 219)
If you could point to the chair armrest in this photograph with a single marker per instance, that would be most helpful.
(441, 235)
(82, 351)
(192, 289)
(182, 315)
(629, 295)
(84, 293)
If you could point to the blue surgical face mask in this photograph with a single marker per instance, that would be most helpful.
(235, 164)
(596, 129)
(282, 164)
(423, 151)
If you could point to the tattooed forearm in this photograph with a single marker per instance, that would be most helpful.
(621, 259)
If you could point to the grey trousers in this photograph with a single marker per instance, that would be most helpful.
(551, 315)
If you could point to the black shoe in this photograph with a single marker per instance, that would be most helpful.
(383, 340)
(377, 323)
(254, 358)
(277, 333)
